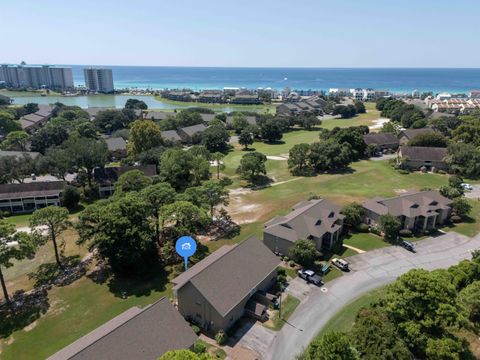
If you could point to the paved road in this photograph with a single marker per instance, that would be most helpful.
(474, 193)
(369, 271)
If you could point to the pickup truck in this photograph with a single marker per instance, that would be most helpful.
(310, 277)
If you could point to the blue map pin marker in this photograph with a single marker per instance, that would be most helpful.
(186, 247)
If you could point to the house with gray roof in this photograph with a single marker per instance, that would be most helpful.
(317, 220)
(171, 135)
(137, 333)
(31, 122)
(158, 115)
(416, 210)
(108, 176)
(408, 134)
(214, 293)
(418, 157)
(117, 147)
(28, 197)
(383, 141)
(188, 132)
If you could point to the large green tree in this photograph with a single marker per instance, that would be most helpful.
(16, 140)
(252, 165)
(304, 252)
(390, 226)
(53, 220)
(299, 160)
(354, 214)
(13, 246)
(144, 135)
(332, 346)
(184, 217)
(133, 180)
(121, 232)
(8, 123)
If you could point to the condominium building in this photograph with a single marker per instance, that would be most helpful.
(37, 77)
(98, 80)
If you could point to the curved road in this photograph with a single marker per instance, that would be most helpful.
(369, 271)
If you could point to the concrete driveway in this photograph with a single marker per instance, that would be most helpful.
(369, 271)
(473, 194)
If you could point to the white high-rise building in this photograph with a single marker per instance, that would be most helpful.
(27, 76)
(98, 80)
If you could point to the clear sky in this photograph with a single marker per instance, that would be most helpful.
(308, 33)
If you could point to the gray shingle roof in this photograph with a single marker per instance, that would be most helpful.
(111, 174)
(411, 133)
(252, 120)
(411, 204)
(116, 143)
(32, 189)
(192, 130)
(158, 115)
(423, 153)
(380, 139)
(19, 154)
(229, 275)
(171, 135)
(308, 218)
(135, 334)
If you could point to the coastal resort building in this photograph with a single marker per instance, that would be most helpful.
(28, 197)
(137, 333)
(423, 158)
(416, 211)
(383, 141)
(317, 220)
(108, 176)
(220, 289)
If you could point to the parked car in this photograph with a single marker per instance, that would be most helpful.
(310, 277)
(408, 245)
(467, 186)
(341, 264)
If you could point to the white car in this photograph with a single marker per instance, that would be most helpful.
(467, 186)
(341, 264)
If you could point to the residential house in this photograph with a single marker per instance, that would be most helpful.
(187, 133)
(177, 95)
(307, 107)
(416, 211)
(217, 291)
(27, 197)
(383, 141)
(317, 220)
(34, 121)
(158, 115)
(93, 111)
(418, 157)
(19, 154)
(249, 99)
(117, 147)
(408, 134)
(211, 96)
(137, 333)
(171, 135)
(108, 176)
(252, 120)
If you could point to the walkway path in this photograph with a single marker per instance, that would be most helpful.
(360, 251)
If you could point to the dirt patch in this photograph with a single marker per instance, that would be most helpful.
(279, 158)
(30, 327)
(378, 124)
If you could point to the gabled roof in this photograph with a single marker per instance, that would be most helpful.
(411, 133)
(192, 130)
(412, 204)
(19, 154)
(230, 274)
(171, 135)
(158, 115)
(116, 143)
(31, 189)
(111, 174)
(422, 153)
(252, 120)
(308, 218)
(135, 334)
(380, 139)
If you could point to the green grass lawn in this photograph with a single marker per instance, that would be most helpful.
(470, 226)
(288, 307)
(367, 119)
(77, 309)
(365, 241)
(19, 220)
(332, 274)
(261, 108)
(344, 319)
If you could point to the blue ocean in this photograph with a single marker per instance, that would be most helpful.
(197, 78)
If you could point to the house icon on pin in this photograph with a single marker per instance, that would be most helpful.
(186, 246)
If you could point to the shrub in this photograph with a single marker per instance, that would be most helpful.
(376, 231)
(405, 233)
(221, 338)
(282, 279)
(70, 197)
(362, 228)
(286, 258)
(199, 347)
(281, 271)
(196, 329)
(456, 219)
